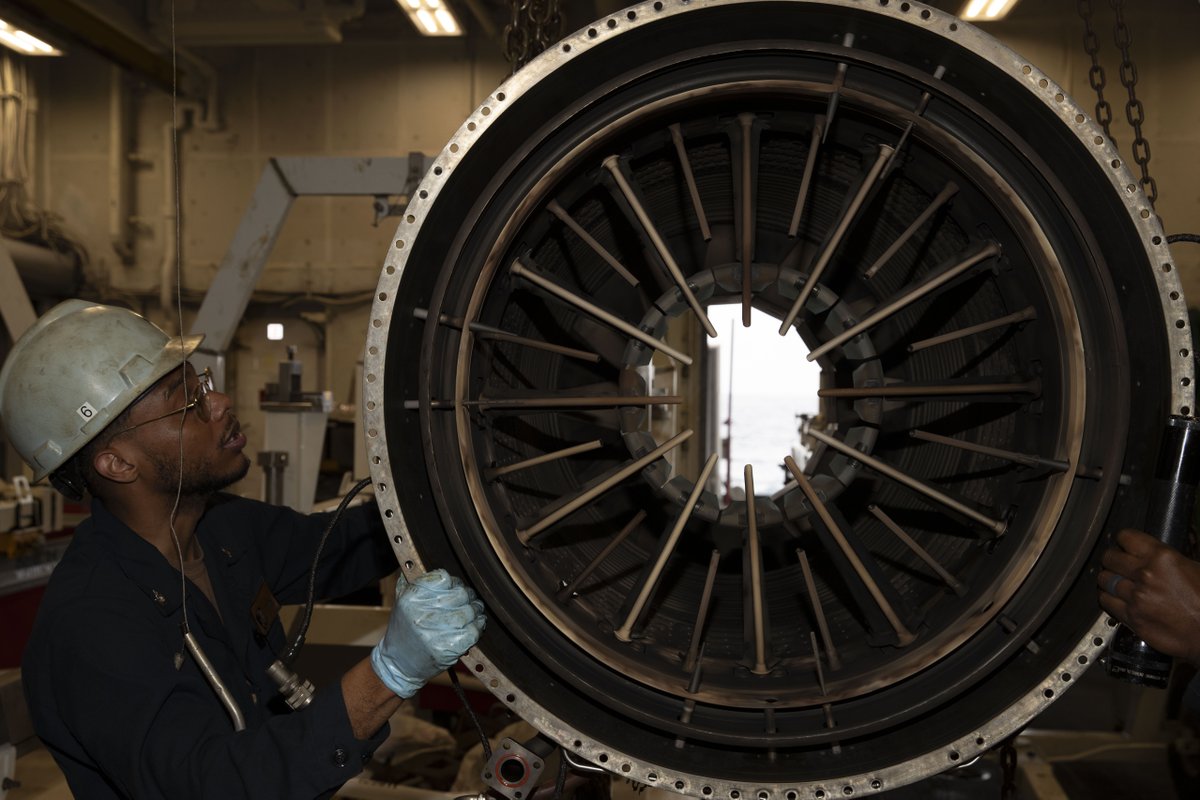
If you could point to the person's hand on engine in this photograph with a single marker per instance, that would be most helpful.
(435, 620)
(1155, 590)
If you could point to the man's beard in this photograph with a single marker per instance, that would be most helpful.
(198, 480)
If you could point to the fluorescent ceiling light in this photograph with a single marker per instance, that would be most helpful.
(275, 331)
(24, 42)
(431, 17)
(987, 10)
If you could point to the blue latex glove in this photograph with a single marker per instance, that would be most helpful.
(435, 620)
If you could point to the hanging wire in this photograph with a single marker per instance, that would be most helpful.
(561, 781)
(462, 698)
(171, 161)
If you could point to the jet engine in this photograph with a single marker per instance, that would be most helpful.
(1000, 334)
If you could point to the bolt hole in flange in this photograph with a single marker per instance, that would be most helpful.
(891, 191)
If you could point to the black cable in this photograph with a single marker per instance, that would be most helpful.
(293, 649)
(462, 697)
(1194, 238)
(561, 780)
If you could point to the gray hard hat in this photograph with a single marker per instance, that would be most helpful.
(74, 372)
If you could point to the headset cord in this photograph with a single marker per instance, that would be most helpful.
(293, 648)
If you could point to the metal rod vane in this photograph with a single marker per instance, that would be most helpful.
(810, 586)
(576, 401)
(496, 472)
(903, 301)
(951, 581)
(1009, 319)
(702, 612)
(489, 332)
(756, 576)
(613, 165)
(948, 191)
(747, 123)
(996, 526)
(806, 181)
(904, 636)
(686, 165)
(585, 497)
(629, 528)
(836, 238)
(816, 648)
(604, 316)
(839, 79)
(624, 632)
(946, 389)
(1008, 455)
(554, 208)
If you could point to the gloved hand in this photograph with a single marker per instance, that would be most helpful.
(436, 619)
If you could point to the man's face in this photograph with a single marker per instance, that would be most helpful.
(212, 456)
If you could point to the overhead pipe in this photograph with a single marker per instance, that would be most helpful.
(45, 272)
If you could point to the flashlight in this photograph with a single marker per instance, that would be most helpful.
(1168, 516)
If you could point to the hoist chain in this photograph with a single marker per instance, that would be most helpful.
(1096, 74)
(1135, 113)
(534, 25)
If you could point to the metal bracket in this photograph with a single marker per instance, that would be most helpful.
(513, 770)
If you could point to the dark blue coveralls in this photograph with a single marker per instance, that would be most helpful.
(123, 707)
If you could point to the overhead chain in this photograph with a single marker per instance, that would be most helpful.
(1135, 113)
(533, 26)
(1096, 74)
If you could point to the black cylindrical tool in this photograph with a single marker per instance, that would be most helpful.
(1168, 516)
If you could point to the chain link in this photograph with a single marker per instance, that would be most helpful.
(533, 26)
(1096, 78)
(1135, 113)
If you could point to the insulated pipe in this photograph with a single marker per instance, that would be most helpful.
(43, 271)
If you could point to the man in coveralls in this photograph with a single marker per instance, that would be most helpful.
(102, 401)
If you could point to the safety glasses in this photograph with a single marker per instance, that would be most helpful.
(199, 401)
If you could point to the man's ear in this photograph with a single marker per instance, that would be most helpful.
(110, 464)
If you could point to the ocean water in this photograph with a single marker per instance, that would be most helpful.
(772, 383)
(765, 429)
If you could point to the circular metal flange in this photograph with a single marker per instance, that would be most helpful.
(897, 100)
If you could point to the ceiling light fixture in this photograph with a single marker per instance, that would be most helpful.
(987, 10)
(25, 43)
(431, 17)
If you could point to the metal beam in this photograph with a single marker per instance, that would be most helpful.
(282, 181)
(59, 18)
